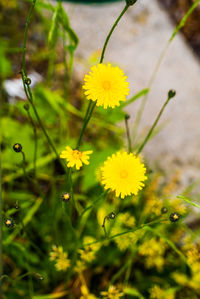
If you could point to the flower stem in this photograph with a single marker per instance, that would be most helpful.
(27, 88)
(35, 140)
(25, 36)
(111, 31)
(1, 224)
(91, 106)
(128, 134)
(154, 125)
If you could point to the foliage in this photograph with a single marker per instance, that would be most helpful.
(54, 246)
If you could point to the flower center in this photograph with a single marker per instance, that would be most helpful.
(77, 154)
(123, 174)
(106, 85)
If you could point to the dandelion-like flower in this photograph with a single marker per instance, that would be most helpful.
(107, 85)
(123, 173)
(75, 157)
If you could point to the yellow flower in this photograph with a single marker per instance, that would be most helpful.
(86, 294)
(107, 85)
(123, 173)
(62, 263)
(75, 157)
(60, 257)
(112, 293)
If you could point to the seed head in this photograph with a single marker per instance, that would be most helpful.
(164, 210)
(17, 147)
(174, 217)
(66, 197)
(9, 222)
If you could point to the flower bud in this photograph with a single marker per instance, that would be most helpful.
(112, 215)
(17, 147)
(26, 107)
(164, 210)
(171, 93)
(27, 81)
(9, 222)
(174, 217)
(130, 2)
(66, 197)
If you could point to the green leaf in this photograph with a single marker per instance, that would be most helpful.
(189, 201)
(53, 32)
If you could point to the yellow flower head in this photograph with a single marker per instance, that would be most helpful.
(112, 293)
(107, 85)
(75, 157)
(123, 173)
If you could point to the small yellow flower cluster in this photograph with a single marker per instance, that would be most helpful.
(123, 222)
(60, 257)
(112, 293)
(153, 251)
(157, 293)
(178, 206)
(87, 255)
(86, 294)
(75, 157)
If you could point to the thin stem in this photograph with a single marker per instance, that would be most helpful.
(35, 141)
(111, 31)
(27, 88)
(128, 231)
(143, 103)
(25, 36)
(128, 134)
(90, 106)
(86, 120)
(154, 125)
(104, 226)
(1, 224)
(24, 165)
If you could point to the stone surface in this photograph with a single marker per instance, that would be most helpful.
(136, 45)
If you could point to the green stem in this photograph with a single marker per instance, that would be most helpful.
(27, 88)
(154, 125)
(111, 31)
(24, 165)
(128, 135)
(35, 141)
(25, 36)
(104, 226)
(128, 231)
(1, 224)
(91, 107)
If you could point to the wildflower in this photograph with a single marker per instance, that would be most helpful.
(62, 263)
(60, 257)
(86, 294)
(9, 222)
(123, 222)
(107, 85)
(174, 217)
(123, 173)
(66, 197)
(153, 250)
(112, 293)
(17, 147)
(75, 157)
